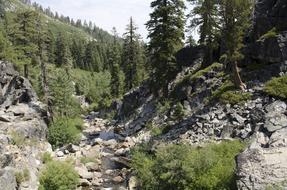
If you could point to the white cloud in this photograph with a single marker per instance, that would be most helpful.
(104, 13)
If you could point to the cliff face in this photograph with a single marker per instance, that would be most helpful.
(22, 130)
(268, 37)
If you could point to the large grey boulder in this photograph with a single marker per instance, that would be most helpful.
(7, 180)
(259, 167)
(275, 117)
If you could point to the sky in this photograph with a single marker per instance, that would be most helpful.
(104, 13)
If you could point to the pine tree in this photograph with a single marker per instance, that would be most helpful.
(205, 16)
(132, 56)
(114, 62)
(63, 54)
(77, 50)
(89, 57)
(235, 16)
(166, 33)
(24, 35)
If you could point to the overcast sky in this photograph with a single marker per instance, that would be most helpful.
(104, 13)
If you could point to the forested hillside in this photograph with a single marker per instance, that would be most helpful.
(82, 108)
(48, 47)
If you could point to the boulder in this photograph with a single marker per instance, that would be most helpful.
(259, 167)
(84, 173)
(275, 118)
(7, 179)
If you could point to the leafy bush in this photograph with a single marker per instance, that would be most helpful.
(277, 87)
(58, 176)
(94, 86)
(64, 131)
(178, 167)
(22, 176)
(228, 94)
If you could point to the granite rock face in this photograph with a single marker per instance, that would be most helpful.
(23, 130)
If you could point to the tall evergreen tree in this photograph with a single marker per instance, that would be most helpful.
(166, 33)
(235, 16)
(114, 63)
(77, 50)
(24, 36)
(62, 53)
(89, 57)
(205, 16)
(132, 56)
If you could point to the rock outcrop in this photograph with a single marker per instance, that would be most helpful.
(23, 131)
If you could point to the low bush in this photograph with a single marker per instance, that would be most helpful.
(178, 167)
(228, 94)
(58, 176)
(163, 107)
(205, 70)
(64, 131)
(179, 112)
(277, 87)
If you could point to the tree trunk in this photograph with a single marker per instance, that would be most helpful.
(26, 71)
(236, 76)
(45, 89)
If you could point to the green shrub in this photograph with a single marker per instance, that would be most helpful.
(64, 131)
(58, 176)
(277, 87)
(46, 157)
(270, 34)
(179, 112)
(22, 176)
(178, 167)
(163, 107)
(205, 71)
(228, 94)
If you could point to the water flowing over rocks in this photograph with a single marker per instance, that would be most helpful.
(101, 158)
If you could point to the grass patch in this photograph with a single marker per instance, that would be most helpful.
(18, 139)
(202, 72)
(277, 87)
(22, 176)
(46, 158)
(178, 167)
(228, 94)
(270, 34)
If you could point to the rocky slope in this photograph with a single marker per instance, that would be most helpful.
(22, 131)
(261, 120)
